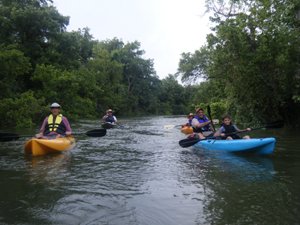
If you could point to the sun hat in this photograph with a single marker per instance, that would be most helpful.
(109, 110)
(190, 114)
(54, 105)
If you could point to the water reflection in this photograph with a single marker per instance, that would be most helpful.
(48, 169)
(240, 166)
(138, 174)
(235, 188)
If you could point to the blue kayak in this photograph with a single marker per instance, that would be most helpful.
(261, 146)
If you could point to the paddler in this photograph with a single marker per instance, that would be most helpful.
(109, 117)
(55, 125)
(229, 131)
(201, 124)
(190, 117)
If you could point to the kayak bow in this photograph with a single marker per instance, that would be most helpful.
(37, 147)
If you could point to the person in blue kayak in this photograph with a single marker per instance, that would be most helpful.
(229, 131)
(55, 125)
(201, 124)
(109, 117)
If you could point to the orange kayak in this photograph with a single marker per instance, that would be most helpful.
(187, 129)
(37, 146)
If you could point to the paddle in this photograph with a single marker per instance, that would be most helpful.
(91, 133)
(209, 115)
(187, 142)
(170, 126)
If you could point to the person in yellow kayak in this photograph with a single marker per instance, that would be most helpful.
(55, 125)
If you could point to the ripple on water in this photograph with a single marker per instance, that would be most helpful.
(138, 174)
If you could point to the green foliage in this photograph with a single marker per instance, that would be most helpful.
(248, 68)
(174, 95)
(22, 111)
(31, 24)
(108, 78)
(42, 63)
(251, 61)
(218, 109)
(74, 90)
(139, 80)
(13, 65)
(194, 66)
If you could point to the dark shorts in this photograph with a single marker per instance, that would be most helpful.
(233, 136)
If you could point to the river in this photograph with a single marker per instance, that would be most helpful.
(138, 174)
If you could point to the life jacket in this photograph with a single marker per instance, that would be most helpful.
(230, 129)
(190, 122)
(55, 125)
(202, 120)
(110, 119)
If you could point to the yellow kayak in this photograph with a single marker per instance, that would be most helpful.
(37, 146)
(187, 129)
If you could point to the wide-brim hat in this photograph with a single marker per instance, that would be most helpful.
(199, 109)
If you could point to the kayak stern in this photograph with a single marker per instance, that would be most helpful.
(187, 129)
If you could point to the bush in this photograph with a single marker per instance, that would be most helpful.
(20, 111)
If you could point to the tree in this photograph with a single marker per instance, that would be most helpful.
(31, 25)
(13, 65)
(254, 53)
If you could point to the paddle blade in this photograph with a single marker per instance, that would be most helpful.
(170, 126)
(188, 142)
(8, 137)
(96, 133)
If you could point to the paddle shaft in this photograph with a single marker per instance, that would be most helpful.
(91, 133)
(209, 115)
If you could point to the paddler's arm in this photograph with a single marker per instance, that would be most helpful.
(197, 124)
(68, 126)
(239, 130)
(104, 117)
(220, 132)
(42, 129)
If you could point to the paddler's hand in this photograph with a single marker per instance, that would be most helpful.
(39, 135)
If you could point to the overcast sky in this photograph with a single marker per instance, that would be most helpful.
(165, 28)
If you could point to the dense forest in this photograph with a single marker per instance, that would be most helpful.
(250, 67)
(251, 60)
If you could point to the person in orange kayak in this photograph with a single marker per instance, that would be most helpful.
(55, 125)
(190, 117)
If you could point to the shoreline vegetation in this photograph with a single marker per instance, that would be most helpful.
(250, 67)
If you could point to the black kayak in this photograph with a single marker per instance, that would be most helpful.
(108, 125)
